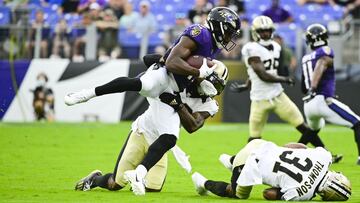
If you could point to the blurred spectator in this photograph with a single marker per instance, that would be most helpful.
(70, 6)
(61, 40)
(160, 49)
(94, 11)
(45, 30)
(174, 32)
(287, 61)
(117, 6)
(16, 3)
(201, 8)
(353, 8)
(302, 2)
(43, 102)
(236, 5)
(277, 13)
(108, 30)
(127, 21)
(145, 22)
(79, 42)
(85, 5)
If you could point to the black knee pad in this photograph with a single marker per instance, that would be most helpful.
(166, 141)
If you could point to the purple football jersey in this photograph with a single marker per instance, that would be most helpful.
(205, 47)
(326, 85)
(203, 39)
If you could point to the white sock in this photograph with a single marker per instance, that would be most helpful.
(141, 172)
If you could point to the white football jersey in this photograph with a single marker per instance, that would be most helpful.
(296, 171)
(161, 118)
(260, 89)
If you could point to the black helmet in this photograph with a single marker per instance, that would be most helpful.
(316, 36)
(224, 25)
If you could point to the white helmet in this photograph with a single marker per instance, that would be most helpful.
(335, 187)
(261, 23)
(220, 77)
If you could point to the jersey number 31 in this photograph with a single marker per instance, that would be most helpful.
(294, 162)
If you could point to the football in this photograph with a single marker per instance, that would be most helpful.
(196, 61)
(272, 193)
(295, 145)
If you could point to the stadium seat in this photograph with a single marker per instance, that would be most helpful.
(288, 33)
(4, 15)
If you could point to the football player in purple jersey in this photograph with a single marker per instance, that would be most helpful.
(318, 83)
(172, 73)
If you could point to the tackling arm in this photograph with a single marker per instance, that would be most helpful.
(191, 121)
(176, 63)
(259, 69)
(321, 65)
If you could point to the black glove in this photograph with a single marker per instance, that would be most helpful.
(309, 95)
(238, 87)
(172, 100)
(290, 81)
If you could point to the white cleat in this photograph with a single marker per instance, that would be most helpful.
(199, 183)
(79, 97)
(137, 186)
(225, 160)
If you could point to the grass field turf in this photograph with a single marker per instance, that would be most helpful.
(40, 162)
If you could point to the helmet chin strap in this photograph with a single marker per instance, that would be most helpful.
(265, 42)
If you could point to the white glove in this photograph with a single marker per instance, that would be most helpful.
(205, 70)
(208, 88)
(181, 158)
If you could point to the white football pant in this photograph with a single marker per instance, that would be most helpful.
(318, 110)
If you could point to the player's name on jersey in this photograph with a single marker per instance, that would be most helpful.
(309, 183)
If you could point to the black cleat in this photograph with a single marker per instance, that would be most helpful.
(85, 183)
(336, 158)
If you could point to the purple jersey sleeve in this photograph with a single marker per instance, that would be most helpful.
(324, 51)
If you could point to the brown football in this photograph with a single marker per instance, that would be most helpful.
(295, 145)
(196, 61)
(272, 193)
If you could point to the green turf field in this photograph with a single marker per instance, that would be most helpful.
(40, 162)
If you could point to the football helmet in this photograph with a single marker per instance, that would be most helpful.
(219, 76)
(316, 36)
(224, 25)
(260, 24)
(335, 187)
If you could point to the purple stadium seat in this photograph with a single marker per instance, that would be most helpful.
(4, 15)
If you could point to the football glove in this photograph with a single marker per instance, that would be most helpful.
(205, 70)
(238, 87)
(290, 81)
(172, 100)
(309, 95)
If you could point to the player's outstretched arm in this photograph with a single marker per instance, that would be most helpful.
(237, 87)
(176, 63)
(260, 71)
